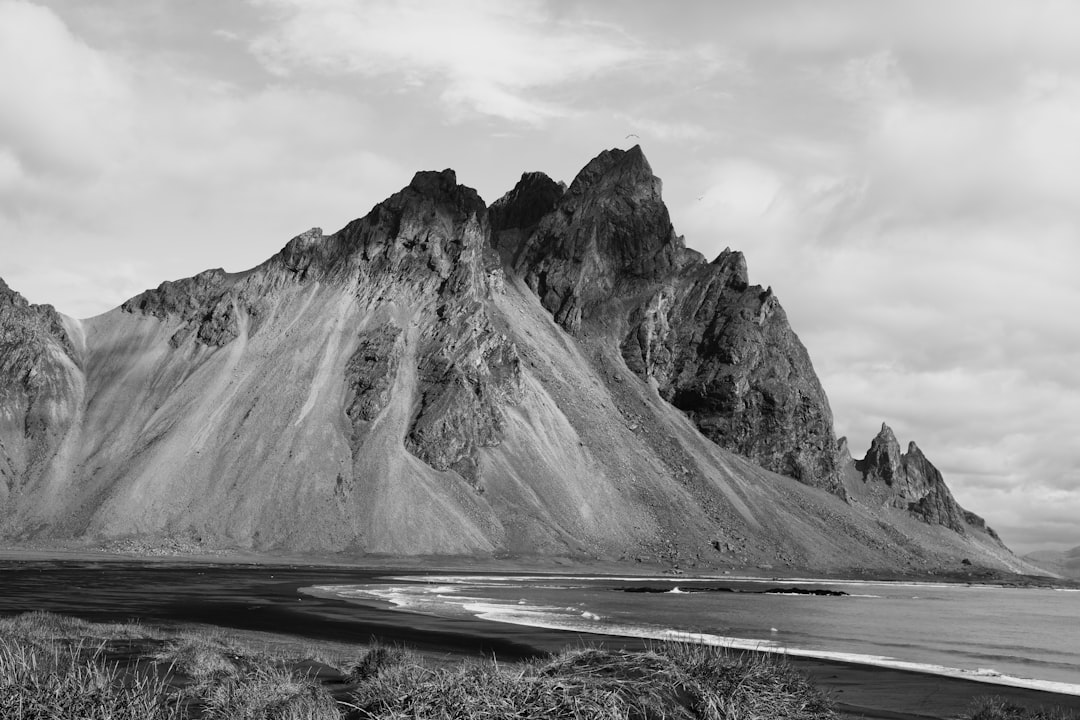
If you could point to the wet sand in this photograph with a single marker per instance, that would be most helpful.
(264, 598)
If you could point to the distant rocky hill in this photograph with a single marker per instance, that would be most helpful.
(886, 481)
(1065, 563)
(905, 481)
(556, 375)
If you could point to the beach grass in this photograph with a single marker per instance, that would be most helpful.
(998, 708)
(672, 682)
(54, 667)
(61, 681)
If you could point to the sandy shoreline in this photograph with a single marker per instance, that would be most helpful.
(259, 594)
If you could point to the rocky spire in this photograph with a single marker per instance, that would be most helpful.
(913, 482)
(883, 461)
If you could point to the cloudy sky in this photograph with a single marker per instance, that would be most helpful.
(903, 174)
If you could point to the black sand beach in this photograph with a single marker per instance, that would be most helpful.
(265, 598)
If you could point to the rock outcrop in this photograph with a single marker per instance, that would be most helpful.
(604, 255)
(39, 388)
(910, 482)
(202, 303)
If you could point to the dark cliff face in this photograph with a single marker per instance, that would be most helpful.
(912, 483)
(723, 352)
(37, 385)
(718, 348)
(610, 228)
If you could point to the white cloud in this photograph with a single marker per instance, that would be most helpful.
(656, 130)
(960, 33)
(489, 56)
(129, 173)
(743, 200)
(11, 171)
(65, 103)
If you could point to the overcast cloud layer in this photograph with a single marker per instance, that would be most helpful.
(902, 174)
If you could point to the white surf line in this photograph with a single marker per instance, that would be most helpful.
(497, 613)
(409, 598)
(499, 580)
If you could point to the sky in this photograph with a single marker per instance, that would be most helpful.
(903, 173)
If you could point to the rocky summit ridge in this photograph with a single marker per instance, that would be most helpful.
(557, 374)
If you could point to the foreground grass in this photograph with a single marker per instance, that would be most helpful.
(669, 681)
(996, 708)
(53, 667)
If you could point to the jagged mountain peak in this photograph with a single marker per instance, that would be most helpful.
(434, 181)
(12, 300)
(425, 218)
(533, 197)
(886, 434)
(620, 172)
(609, 228)
(885, 456)
(23, 323)
(733, 264)
(909, 481)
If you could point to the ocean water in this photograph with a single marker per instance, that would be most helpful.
(1025, 637)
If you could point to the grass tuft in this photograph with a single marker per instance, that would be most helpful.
(40, 625)
(269, 693)
(61, 682)
(999, 708)
(199, 658)
(377, 658)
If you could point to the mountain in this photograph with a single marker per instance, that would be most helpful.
(556, 375)
(1065, 563)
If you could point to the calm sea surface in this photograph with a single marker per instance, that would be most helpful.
(1028, 637)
